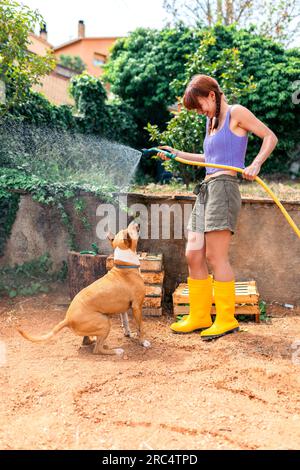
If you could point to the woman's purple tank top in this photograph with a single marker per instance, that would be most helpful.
(224, 147)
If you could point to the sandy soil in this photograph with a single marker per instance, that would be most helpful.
(239, 392)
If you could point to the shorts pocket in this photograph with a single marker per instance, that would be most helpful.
(234, 202)
(234, 195)
(217, 203)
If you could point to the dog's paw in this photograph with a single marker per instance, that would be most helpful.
(119, 351)
(146, 343)
(129, 334)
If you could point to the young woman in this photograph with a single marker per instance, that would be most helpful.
(214, 215)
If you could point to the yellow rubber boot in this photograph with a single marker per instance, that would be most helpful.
(225, 322)
(200, 296)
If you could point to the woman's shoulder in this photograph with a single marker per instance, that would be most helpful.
(240, 115)
(238, 110)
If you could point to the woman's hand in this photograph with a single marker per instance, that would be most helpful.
(251, 171)
(169, 149)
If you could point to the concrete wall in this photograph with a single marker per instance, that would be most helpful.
(264, 248)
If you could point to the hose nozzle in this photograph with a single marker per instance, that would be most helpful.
(154, 151)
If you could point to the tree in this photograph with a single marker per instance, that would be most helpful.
(141, 68)
(72, 62)
(277, 19)
(19, 68)
(95, 114)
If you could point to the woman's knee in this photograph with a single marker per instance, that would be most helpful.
(195, 258)
(195, 250)
(215, 260)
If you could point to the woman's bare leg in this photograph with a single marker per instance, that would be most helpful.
(217, 248)
(195, 255)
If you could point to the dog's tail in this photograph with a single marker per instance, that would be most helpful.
(40, 339)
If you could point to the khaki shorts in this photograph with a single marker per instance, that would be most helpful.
(217, 205)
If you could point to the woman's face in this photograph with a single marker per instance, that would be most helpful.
(207, 105)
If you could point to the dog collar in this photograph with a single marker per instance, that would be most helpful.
(122, 266)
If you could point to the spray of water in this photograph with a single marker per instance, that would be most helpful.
(64, 156)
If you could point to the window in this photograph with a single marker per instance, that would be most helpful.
(99, 60)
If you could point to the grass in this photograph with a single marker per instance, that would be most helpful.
(284, 189)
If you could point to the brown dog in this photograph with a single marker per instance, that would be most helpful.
(121, 288)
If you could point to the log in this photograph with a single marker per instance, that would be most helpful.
(83, 270)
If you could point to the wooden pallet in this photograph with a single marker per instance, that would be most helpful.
(153, 274)
(246, 295)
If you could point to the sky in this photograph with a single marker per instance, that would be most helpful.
(101, 18)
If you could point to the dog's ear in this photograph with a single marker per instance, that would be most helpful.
(127, 239)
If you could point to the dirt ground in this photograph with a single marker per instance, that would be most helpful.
(239, 392)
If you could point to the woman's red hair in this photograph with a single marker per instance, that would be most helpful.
(201, 86)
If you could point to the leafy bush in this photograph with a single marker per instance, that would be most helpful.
(31, 277)
(112, 120)
(141, 68)
(9, 204)
(36, 109)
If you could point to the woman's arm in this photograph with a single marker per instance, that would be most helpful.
(246, 120)
(192, 157)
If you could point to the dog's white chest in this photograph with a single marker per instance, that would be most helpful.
(126, 255)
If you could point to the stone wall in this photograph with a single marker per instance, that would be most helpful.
(264, 248)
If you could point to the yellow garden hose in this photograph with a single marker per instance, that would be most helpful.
(259, 180)
(154, 151)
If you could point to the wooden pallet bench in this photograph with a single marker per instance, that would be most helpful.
(152, 272)
(246, 295)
